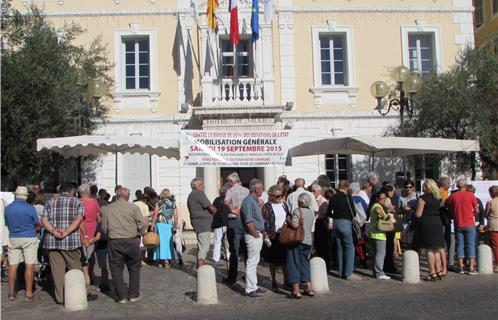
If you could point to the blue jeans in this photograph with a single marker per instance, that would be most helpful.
(343, 236)
(465, 239)
(298, 265)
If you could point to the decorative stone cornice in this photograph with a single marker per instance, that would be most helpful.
(376, 10)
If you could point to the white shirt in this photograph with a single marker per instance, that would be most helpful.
(280, 215)
(292, 200)
(363, 194)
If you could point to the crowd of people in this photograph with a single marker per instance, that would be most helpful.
(344, 226)
(351, 226)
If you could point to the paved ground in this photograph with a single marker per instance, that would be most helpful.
(170, 293)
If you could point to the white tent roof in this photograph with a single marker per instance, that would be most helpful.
(382, 146)
(77, 146)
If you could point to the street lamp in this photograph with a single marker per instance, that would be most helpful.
(408, 84)
(91, 91)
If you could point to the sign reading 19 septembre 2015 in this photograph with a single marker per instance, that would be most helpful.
(205, 148)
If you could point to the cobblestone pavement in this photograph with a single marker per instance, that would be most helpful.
(170, 293)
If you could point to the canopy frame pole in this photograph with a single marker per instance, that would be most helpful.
(372, 162)
(150, 170)
(116, 170)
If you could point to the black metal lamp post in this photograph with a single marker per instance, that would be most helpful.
(408, 84)
(94, 91)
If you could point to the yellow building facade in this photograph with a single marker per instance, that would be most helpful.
(486, 24)
(309, 72)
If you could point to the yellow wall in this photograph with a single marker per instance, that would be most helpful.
(377, 47)
(376, 42)
(488, 31)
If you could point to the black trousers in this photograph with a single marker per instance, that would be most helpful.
(389, 259)
(321, 241)
(235, 244)
(125, 252)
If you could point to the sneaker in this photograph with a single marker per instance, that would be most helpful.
(122, 301)
(260, 290)
(383, 277)
(353, 277)
(472, 272)
(253, 294)
(136, 299)
(461, 271)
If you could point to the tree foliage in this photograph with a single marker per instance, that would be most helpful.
(462, 103)
(41, 97)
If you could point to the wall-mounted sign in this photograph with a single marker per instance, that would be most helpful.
(205, 148)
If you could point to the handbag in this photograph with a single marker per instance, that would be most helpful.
(385, 225)
(355, 224)
(290, 236)
(151, 240)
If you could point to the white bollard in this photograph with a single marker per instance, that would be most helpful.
(485, 259)
(411, 268)
(74, 291)
(206, 285)
(319, 278)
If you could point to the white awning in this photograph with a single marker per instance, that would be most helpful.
(382, 146)
(80, 146)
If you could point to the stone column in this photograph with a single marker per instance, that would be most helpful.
(206, 285)
(211, 182)
(75, 291)
(485, 259)
(319, 278)
(270, 177)
(411, 268)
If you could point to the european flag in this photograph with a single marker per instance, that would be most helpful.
(255, 20)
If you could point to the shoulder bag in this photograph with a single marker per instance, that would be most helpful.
(355, 225)
(291, 237)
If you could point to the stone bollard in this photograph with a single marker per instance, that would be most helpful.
(485, 259)
(411, 268)
(319, 278)
(74, 291)
(206, 285)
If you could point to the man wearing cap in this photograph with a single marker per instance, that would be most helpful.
(61, 218)
(23, 223)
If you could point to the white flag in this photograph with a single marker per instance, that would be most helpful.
(194, 9)
(269, 10)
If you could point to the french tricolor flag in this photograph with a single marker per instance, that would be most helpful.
(234, 22)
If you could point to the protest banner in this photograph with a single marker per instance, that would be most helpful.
(209, 148)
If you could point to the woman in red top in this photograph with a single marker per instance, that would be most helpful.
(88, 229)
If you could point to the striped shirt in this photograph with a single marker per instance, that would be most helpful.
(61, 212)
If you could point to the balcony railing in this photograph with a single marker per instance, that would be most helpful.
(233, 92)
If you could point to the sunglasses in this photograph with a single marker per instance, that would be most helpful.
(278, 196)
(382, 198)
(409, 187)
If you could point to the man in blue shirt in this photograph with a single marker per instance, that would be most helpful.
(253, 222)
(23, 223)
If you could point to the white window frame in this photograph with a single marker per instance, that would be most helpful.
(335, 157)
(479, 12)
(137, 61)
(250, 54)
(134, 98)
(334, 94)
(407, 30)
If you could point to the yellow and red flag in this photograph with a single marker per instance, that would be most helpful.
(212, 6)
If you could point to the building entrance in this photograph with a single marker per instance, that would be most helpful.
(245, 174)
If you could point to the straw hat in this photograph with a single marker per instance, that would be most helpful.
(21, 192)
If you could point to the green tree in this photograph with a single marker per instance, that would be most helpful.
(42, 95)
(462, 103)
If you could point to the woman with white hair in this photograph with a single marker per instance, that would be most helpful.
(298, 265)
(88, 229)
